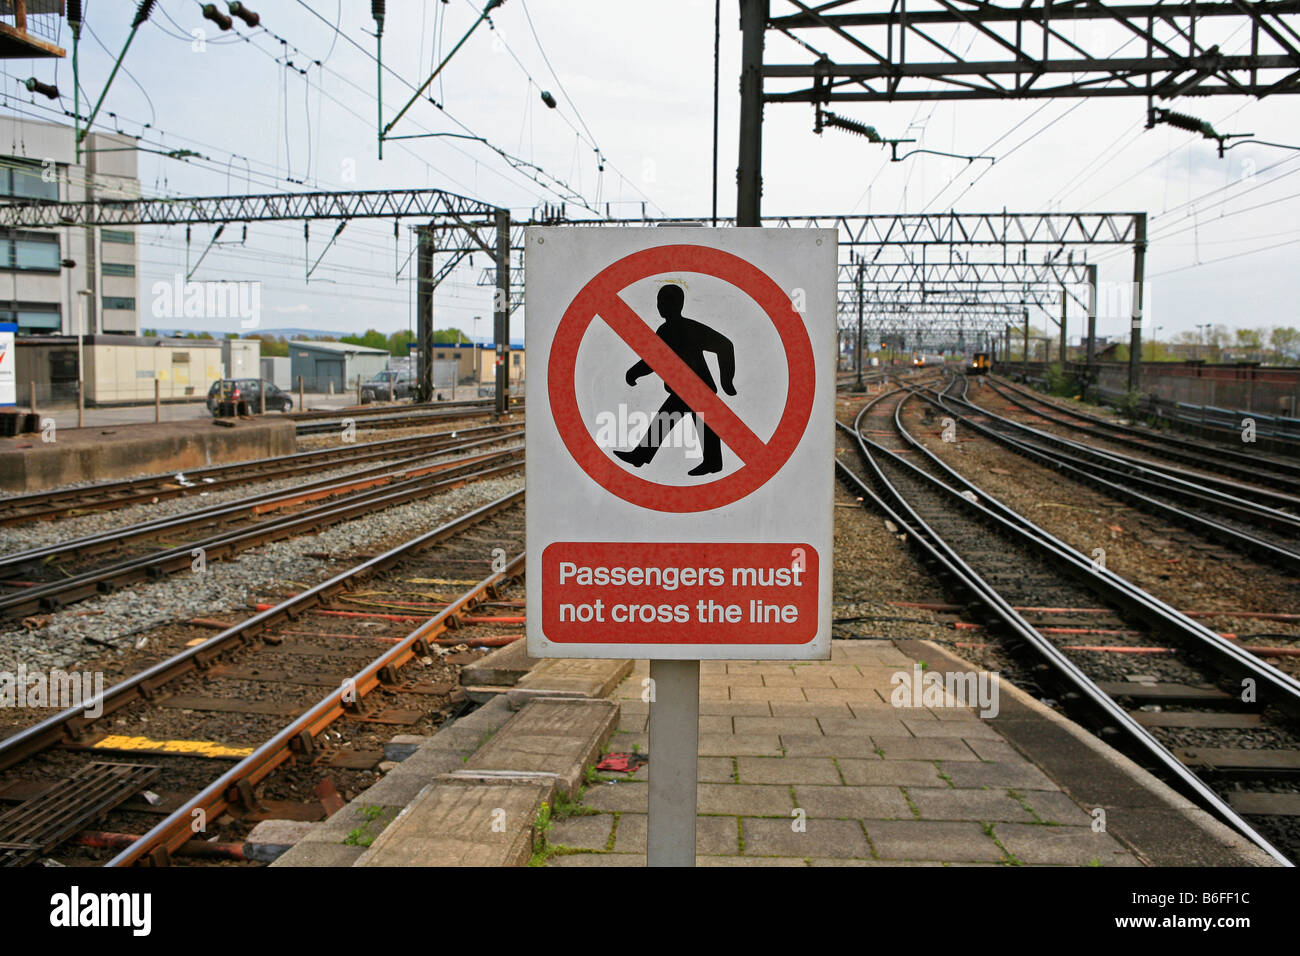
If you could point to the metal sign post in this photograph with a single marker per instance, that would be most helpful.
(681, 430)
(674, 741)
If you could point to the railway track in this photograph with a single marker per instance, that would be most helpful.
(484, 406)
(1246, 752)
(1252, 470)
(1191, 501)
(106, 496)
(395, 417)
(74, 570)
(288, 700)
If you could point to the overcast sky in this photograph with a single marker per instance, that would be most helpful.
(641, 78)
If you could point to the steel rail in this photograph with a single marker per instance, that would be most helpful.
(250, 506)
(1230, 658)
(1155, 478)
(923, 536)
(59, 593)
(72, 723)
(363, 411)
(1089, 474)
(42, 505)
(176, 829)
(1285, 476)
(392, 419)
(1220, 484)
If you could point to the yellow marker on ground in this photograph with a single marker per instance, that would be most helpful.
(189, 748)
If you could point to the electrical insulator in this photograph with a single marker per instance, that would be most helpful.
(548, 99)
(142, 12)
(1184, 121)
(377, 10)
(210, 12)
(74, 12)
(851, 126)
(36, 86)
(239, 10)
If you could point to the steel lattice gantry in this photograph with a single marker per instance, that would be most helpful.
(977, 263)
(482, 227)
(870, 51)
(977, 299)
(908, 49)
(975, 269)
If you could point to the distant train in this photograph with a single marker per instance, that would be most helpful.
(979, 365)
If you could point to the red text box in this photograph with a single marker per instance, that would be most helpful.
(697, 593)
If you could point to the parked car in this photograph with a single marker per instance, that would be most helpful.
(377, 389)
(248, 390)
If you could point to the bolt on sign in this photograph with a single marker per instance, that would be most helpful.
(680, 442)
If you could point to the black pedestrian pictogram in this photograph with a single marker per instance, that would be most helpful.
(689, 339)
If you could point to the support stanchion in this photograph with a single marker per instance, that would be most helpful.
(157, 401)
(301, 406)
(674, 746)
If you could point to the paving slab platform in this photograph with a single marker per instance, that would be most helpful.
(81, 455)
(470, 794)
(811, 765)
(804, 764)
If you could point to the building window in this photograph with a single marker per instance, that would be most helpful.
(516, 360)
(24, 180)
(119, 302)
(118, 269)
(34, 321)
(30, 253)
(118, 235)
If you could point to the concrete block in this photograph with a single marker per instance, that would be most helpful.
(923, 748)
(618, 797)
(462, 825)
(736, 745)
(989, 806)
(776, 725)
(788, 770)
(271, 839)
(1018, 775)
(802, 745)
(929, 840)
(571, 677)
(740, 799)
(857, 803)
(713, 835)
(403, 745)
(895, 773)
(96, 453)
(820, 838)
(320, 854)
(503, 667)
(552, 735)
(589, 832)
(1072, 846)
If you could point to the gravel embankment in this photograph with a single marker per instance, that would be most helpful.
(70, 636)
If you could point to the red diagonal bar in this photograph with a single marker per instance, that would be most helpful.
(676, 375)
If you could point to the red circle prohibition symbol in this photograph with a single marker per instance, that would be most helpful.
(601, 297)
